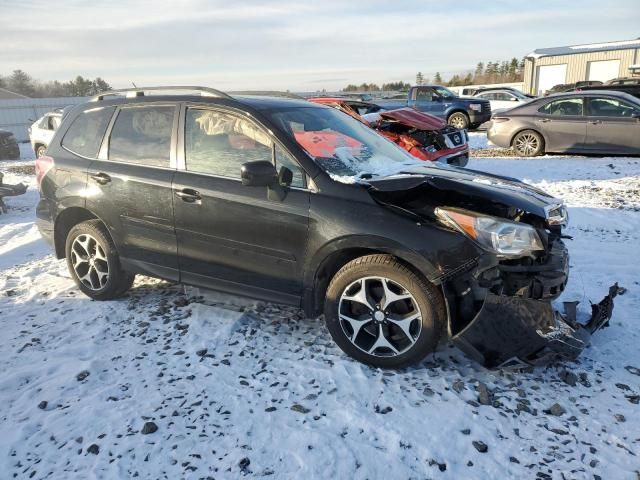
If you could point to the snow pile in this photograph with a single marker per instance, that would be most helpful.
(163, 384)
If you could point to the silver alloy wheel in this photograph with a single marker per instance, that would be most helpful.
(89, 262)
(41, 151)
(379, 316)
(527, 144)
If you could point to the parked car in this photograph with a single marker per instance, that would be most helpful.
(473, 91)
(502, 99)
(602, 122)
(459, 112)
(293, 202)
(9, 149)
(567, 87)
(42, 131)
(422, 135)
(629, 88)
(624, 81)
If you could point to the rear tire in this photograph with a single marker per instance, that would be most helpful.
(382, 314)
(528, 143)
(94, 263)
(459, 120)
(40, 151)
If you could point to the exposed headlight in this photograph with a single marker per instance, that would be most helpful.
(477, 107)
(503, 237)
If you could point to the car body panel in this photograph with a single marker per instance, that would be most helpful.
(42, 130)
(571, 133)
(425, 99)
(242, 240)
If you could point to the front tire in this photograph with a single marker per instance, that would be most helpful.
(94, 263)
(40, 151)
(528, 143)
(458, 120)
(382, 314)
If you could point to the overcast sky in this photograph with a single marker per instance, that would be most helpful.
(298, 45)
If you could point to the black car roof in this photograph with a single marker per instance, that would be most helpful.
(256, 102)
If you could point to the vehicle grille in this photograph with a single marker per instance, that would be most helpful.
(457, 138)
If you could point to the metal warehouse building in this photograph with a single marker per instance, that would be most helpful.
(547, 67)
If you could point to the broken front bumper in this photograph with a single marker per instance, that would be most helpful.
(519, 325)
(513, 331)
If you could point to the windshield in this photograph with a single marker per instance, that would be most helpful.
(342, 146)
(444, 92)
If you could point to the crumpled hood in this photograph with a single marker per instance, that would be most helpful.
(452, 183)
(414, 118)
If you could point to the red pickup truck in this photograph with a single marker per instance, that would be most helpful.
(422, 135)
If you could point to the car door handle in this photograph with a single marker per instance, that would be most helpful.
(545, 120)
(101, 178)
(189, 195)
(595, 122)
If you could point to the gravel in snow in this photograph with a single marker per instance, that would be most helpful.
(164, 383)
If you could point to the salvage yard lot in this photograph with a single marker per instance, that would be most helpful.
(240, 389)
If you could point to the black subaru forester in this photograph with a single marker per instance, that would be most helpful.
(293, 202)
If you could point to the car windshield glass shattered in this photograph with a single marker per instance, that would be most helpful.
(342, 146)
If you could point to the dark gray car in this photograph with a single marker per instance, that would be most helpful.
(599, 122)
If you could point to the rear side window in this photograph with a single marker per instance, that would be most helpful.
(142, 135)
(85, 133)
(566, 108)
(218, 143)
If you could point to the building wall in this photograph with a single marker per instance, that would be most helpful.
(17, 115)
(577, 65)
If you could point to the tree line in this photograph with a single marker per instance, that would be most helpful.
(22, 83)
(505, 71)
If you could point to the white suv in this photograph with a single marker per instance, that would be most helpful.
(41, 132)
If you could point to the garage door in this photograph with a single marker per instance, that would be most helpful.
(603, 70)
(550, 76)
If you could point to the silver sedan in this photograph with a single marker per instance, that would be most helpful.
(598, 122)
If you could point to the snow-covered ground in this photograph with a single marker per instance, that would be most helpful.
(238, 389)
(478, 140)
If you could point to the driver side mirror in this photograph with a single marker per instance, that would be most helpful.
(263, 173)
(258, 174)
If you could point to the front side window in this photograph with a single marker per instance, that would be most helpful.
(218, 143)
(568, 107)
(142, 135)
(84, 136)
(283, 159)
(609, 107)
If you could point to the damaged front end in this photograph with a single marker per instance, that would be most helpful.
(423, 136)
(502, 314)
(500, 305)
(9, 191)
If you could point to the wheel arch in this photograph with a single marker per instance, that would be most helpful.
(66, 220)
(333, 256)
(524, 129)
(457, 110)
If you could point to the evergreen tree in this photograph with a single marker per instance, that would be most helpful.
(419, 79)
(22, 83)
(437, 79)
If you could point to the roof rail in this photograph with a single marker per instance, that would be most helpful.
(139, 91)
(268, 93)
